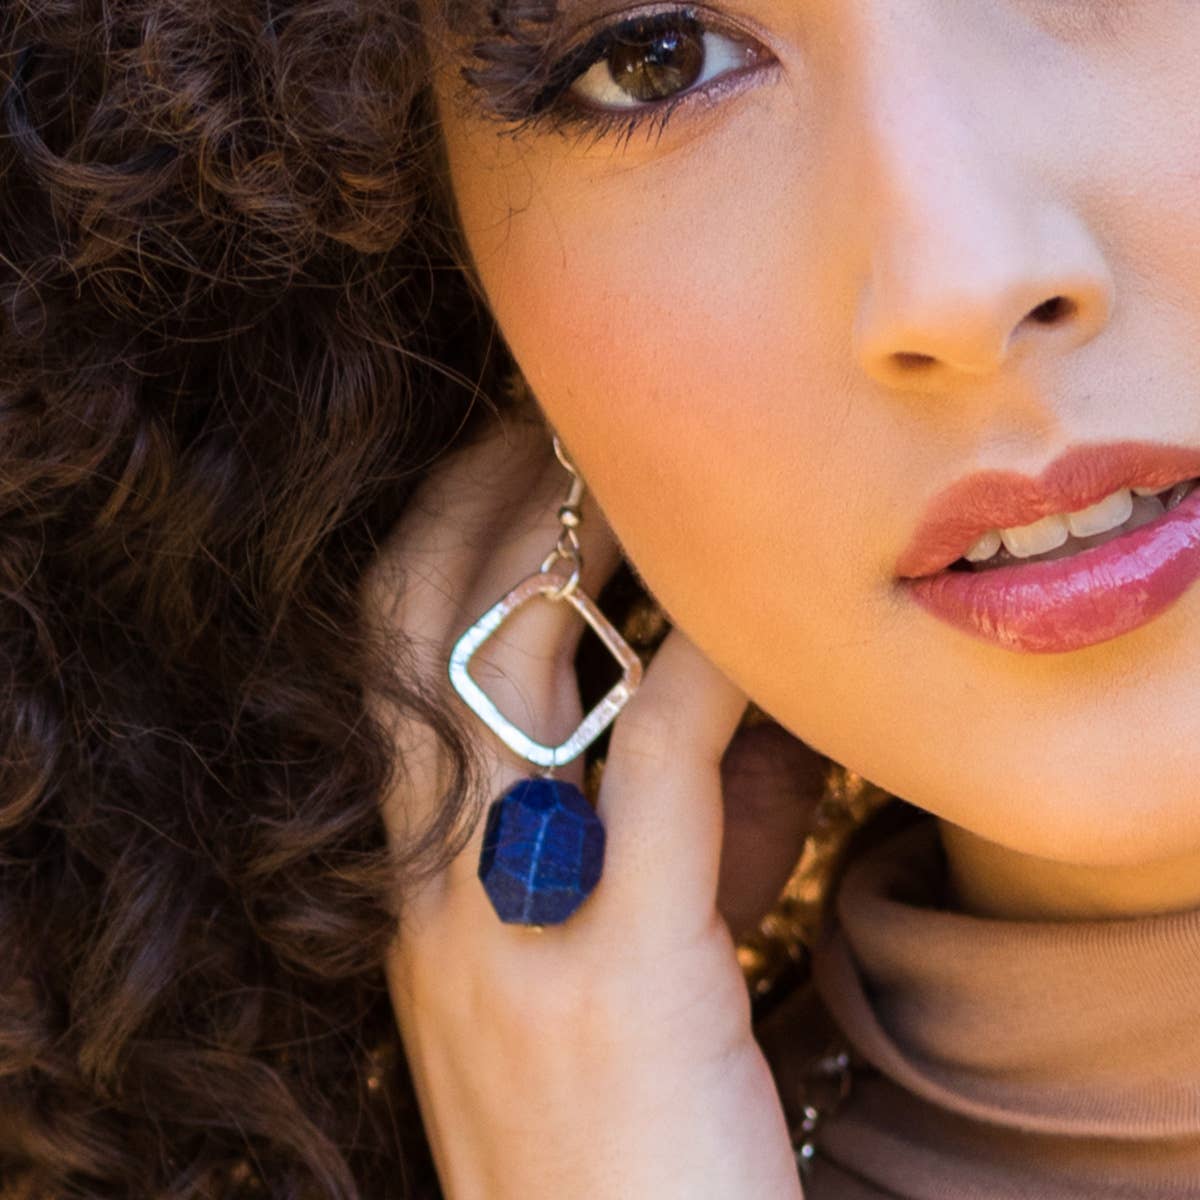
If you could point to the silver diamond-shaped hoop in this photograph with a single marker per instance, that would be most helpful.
(549, 583)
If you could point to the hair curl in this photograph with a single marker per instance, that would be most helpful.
(228, 293)
(237, 327)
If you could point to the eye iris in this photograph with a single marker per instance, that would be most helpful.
(653, 64)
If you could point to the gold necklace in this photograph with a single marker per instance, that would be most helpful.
(775, 958)
(830, 1078)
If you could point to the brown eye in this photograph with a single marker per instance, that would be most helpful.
(657, 66)
(656, 58)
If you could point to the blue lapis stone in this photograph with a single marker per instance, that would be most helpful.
(543, 850)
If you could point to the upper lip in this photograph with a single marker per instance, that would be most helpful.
(961, 514)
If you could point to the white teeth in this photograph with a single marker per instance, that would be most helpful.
(1036, 538)
(985, 547)
(1112, 511)
(1049, 533)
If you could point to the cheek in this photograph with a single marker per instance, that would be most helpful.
(706, 404)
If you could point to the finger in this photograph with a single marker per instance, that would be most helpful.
(660, 796)
(771, 783)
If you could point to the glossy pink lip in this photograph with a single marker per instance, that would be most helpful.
(1068, 603)
(960, 515)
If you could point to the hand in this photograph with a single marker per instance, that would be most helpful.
(610, 1056)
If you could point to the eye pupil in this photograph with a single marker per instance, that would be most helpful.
(658, 64)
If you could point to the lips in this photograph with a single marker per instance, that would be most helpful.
(958, 516)
(1071, 603)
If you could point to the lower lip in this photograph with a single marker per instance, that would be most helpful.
(1069, 603)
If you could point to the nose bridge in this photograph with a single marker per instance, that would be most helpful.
(969, 256)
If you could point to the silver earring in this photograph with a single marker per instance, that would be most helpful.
(543, 844)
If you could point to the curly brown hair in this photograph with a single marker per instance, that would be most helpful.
(229, 295)
(238, 326)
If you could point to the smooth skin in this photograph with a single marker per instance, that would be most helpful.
(772, 335)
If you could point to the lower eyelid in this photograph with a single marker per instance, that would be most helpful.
(735, 82)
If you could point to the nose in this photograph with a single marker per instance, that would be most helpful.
(973, 261)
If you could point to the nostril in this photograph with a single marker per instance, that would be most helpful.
(1050, 312)
(1053, 310)
(904, 359)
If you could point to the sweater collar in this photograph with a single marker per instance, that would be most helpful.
(1087, 1028)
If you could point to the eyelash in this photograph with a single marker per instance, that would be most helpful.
(554, 109)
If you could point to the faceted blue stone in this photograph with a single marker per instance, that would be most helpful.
(543, 851)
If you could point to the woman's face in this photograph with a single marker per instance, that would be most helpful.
(882, 245)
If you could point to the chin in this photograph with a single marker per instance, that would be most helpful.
(1110, 817)
(1080, 800)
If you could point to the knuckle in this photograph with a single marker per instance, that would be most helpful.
(647, 734)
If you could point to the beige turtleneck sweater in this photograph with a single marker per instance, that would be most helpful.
(1002, 1059)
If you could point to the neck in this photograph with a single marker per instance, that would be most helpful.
(990, 880)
